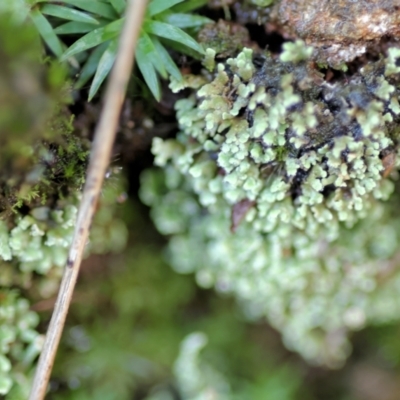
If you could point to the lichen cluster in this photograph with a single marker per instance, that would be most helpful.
(273, 188)
(37, 243)
(19, 343)
(32, 255)
(196, 379)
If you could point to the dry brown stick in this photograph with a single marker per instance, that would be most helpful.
(99, 159)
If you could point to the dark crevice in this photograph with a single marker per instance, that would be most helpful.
(271, 41)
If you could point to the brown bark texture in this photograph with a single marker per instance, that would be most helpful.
(340, 30)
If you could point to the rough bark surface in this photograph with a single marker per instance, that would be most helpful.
(342, 29)
(339, 30)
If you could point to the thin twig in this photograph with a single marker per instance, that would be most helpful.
(99, 159)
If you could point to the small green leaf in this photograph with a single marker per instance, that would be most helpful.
(94, 38)
(149, 73)
(172, 33)
(68, 13)
(74, 27)
(46, 32)
(119, 5)
(105, 64)
(185, 20)
(180, 48)
(157, 6)
(147, 48)
(95, 7)
(89, 69)
(189, 5)
(167, 61)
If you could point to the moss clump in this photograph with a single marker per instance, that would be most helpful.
(225, 38)
(41, 160)
(271, 169)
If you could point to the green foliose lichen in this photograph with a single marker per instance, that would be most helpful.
(273, 190)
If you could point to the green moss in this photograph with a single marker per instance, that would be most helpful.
(224, 38)
(41, 160)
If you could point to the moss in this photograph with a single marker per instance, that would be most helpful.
(225, 38)
(41, 160)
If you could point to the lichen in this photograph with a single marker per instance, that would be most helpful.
(196, 379)
(284, 138)
(271, 190)
(19, 343)
(32, 254)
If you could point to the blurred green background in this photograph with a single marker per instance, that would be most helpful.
(134, 333)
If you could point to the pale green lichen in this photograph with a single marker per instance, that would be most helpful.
(39, 244)
(392, 64)
(295, 52)
(32, 254)
(197, 380)
(273, 191)
(313, 290)
(320, 156)
(19, 343)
